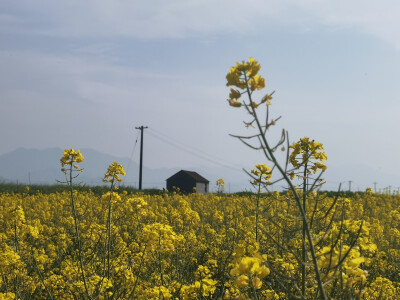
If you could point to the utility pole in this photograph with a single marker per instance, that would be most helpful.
(141, 155)
(375, 187)
(350, 185)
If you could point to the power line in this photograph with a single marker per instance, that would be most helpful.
(141, 128)
(186, 146)
(133, 151)
(191, 151)
(196, 152)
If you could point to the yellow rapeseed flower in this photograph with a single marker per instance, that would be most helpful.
(257, 83)
(235, 94)
(245, 70)
(113, 172)
(257, 283)
(309, 152)
(220, 184)
(70, 156)
(234, 103)
(263, 174)
(242, 281)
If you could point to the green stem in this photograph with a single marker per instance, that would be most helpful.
(296, 195)
(303, 236)
(108, 237)
(258, 208)
(137, 277)
(77, 236)
(109, 233)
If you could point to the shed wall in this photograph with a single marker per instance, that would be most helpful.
(202, 188)
(184, 183)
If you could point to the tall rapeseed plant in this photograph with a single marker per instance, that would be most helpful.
(112, 176)
(69, 165)
(301, 169)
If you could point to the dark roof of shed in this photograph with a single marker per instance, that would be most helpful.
(192, 174)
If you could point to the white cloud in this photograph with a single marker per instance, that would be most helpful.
(185, 18)
(73, 76)
(379, 18)
(84, 100)
(144, 19)
(88, 75)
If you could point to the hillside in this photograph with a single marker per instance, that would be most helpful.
(33, 166)
(43, 167)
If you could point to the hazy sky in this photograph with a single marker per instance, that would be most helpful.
(84, 74)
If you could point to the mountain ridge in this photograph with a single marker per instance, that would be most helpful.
(34, 166)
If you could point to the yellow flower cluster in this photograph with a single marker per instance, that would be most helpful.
(204, 286)
(113, 172)
(220, 183)
(115, 198)
(160, 237)
(382, 288)
(244, 75)
(174, 246)
(70, 158)
(351, 271)
(250, 270)
(307, 152)
(262, 174)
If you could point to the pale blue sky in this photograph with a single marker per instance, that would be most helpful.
(83, 74)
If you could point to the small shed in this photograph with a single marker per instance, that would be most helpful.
(186, 181)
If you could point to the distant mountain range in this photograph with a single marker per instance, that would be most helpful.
(43, 167)
(32, 166)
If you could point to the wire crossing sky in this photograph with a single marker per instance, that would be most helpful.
(84, 74)
(190, 150)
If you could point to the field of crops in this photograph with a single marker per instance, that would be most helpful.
(297, 244)
(176, 246)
